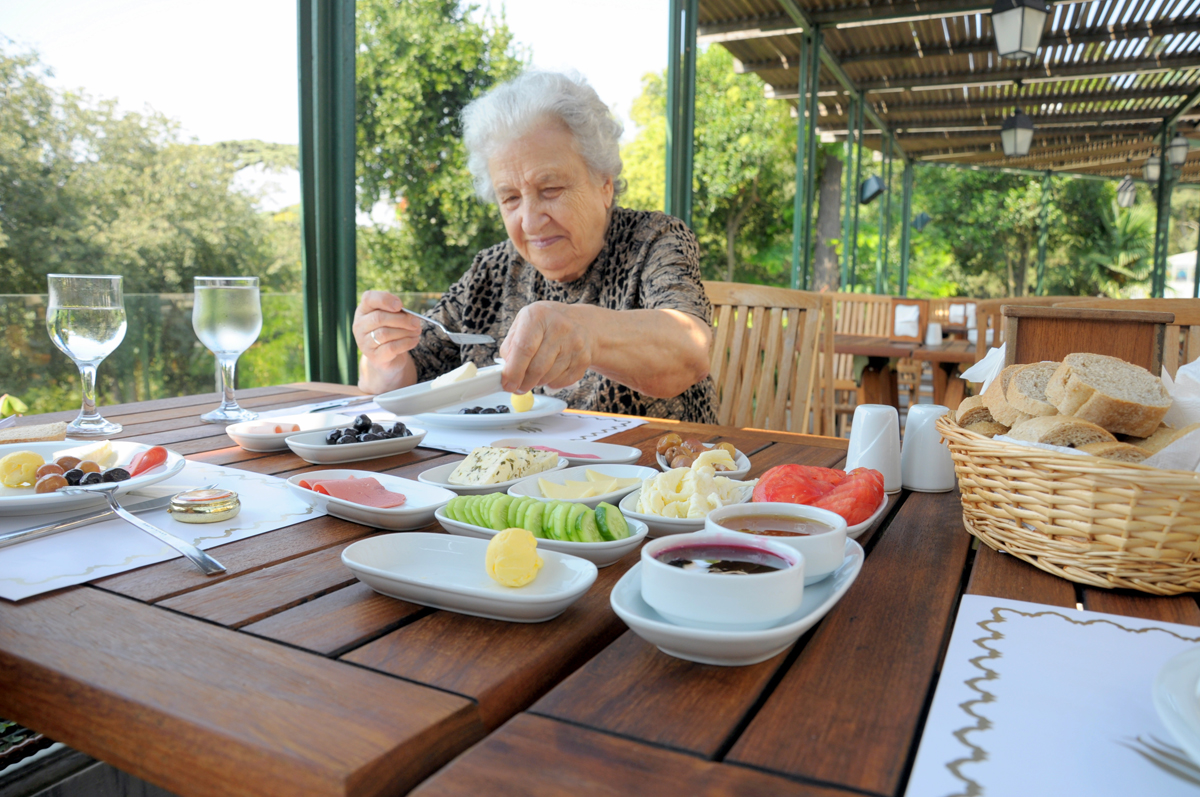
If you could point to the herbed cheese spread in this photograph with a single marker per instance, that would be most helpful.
(487, 465)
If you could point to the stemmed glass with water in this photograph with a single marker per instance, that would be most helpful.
(86, 321)
(227, 318)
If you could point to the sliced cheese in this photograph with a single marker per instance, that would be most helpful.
(487, 465)
(464, 371)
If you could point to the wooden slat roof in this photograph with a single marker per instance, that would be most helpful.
(1107, 73)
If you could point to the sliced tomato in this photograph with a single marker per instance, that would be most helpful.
(147, 460)
(796, 484)
(855, 499)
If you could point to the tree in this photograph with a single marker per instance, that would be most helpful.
(826, 269)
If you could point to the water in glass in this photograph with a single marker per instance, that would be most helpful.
(227, 318)
(85, 318)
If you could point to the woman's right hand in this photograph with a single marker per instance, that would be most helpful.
(385, 335)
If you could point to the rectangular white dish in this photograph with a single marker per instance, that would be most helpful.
(416, 513)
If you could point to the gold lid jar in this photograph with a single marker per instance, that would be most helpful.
(205, 506)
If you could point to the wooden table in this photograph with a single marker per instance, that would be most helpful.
(286, 676)
(879, 378)
(948, 388)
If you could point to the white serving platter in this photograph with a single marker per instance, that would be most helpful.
(600, 453)
(438, 476)
(732, 648)
(740, 472)
(662, 526)
(277, 441)
(312, 447)
(416, 513)
(529, 485)
(447, 572)
(423, 397)
(1177, 700)
(855, 531)
(601, 554)
(451, 418)
(24, 501)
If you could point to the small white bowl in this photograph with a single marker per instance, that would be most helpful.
(438, 476)
(739, 459)
(663, 526)
(721, 601)
(529, 485)
(585, 453)
(823, 552)
(416, 513)
(312, 447)
(264, 442)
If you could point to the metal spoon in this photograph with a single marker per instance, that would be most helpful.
(461, 338)
(198, 557)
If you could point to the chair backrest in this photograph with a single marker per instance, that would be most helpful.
(1035, 334)
(990, 325)
(861, 314)
(899, 333)
(1181, 344)
(764, 357)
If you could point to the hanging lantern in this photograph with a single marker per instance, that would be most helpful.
(1018, 25)
(1152, 168)
(921, 221)
(1177, 150)
(1016, 134)
(871, 188)
(1126, 192)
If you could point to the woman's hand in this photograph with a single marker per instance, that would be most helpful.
(549, 344)
(385, 335)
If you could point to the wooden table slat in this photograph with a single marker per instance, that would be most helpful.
(999, 575)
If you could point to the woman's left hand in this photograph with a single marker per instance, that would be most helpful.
(549, 344)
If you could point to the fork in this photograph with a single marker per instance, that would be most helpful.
(198, 557)
(461, 338)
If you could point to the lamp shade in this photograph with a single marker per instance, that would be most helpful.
(871, 188)
(1177, 150)
(1151, 168)
(1018, 25)
(921, 221)
(1126, 192)
(1016, 134)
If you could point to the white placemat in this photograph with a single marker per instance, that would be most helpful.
(114, 546)
(1037, 699)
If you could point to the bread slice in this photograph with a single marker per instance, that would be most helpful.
(1122, 398)
(987, 428)
(41, 433)
(997, 403)
(973, 410)
(1121, 452)
(1162, 437)
(1060, 430)
(1027, 389)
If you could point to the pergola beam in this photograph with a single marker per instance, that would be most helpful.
(1029, 100)
(880, 14)
(1114, 117)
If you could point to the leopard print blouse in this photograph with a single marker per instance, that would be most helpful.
(649, 261)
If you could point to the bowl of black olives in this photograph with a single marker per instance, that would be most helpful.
(363, 439)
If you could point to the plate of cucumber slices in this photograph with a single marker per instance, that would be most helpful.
(601, 535)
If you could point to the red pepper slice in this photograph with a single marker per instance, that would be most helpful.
(147, 460)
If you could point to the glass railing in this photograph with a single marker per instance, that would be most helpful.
(160, 356)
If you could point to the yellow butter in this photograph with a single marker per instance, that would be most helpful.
(512, 558)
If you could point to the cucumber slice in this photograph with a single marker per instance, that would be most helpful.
(451, 508)
(559, 521)
(587, 530)
(511, 520)
(611, 522)
(498, 513)
(533, 519)
(577, 511)
(475, 508)
(466, 509)
(522, 511)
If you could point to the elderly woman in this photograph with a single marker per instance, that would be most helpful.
(595, 304)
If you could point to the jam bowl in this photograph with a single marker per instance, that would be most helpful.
(722, 580)
(817, 533)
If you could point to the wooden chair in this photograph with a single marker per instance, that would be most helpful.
(988, 318)
(1181, 341)
(854, 314)
(1035, 334)
(952, 313)
(764, 357)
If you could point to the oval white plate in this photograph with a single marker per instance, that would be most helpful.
(437, 477)
(601, 554)
(529, 485)
(311, 447)
(1177, 701)
(741, 460)
(447, 572)
(24, 501)
(421, 397)
(416, 513)
(601, 453)
(662, 526)
(731, 648)
(277, 441)
(543, 407)
(855, 531)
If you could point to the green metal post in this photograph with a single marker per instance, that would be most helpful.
(858, 160)
(798, 203)
(1158, 282)
(885, 219)
(327, 148)
(906, 226)
(814, 85)
(847, 195)
(681, 108)
(1043, 235)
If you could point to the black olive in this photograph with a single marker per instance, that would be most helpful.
(73, 476)
(90, 478)
(488, 411)
(465, 411)
(369, 437)
(376, 428)
(115, 475)
(502, 409)
(399, 429)
(362, 423)
(333, 436)
(347, 438)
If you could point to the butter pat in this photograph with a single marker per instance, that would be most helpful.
(512, 558)
(103, 454)
(487, 465)
(464, 371)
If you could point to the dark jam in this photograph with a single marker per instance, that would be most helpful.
(724, 559)
(774, 525)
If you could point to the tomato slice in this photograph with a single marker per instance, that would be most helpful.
(147, 460)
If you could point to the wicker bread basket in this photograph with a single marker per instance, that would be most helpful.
(1091, 520)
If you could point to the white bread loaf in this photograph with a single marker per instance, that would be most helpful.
(997, 403)
(1121, 452)
(1107, 391)
(1060, 430)
(973, 410)
(42, 433)
(987, 428)
(1027, 389)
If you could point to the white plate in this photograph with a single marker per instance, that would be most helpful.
(24, 501)
(415, 513)
(421, 397)
(604, 453)
(662, 526)
(311, 447)
(529, 485)
(447, 572)
(741, 460)
(855, 531)
(437, 477)
(1177, 700)
(272, 441)
(601, 554)
(731, 648)
(543, 407)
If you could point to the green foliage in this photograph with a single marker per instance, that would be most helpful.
(419, 63)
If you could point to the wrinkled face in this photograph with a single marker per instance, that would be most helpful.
(555, 211)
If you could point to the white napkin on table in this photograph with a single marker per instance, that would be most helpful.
(986, 369)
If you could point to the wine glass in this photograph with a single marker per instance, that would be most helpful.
(227, 318)
(86, 321)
